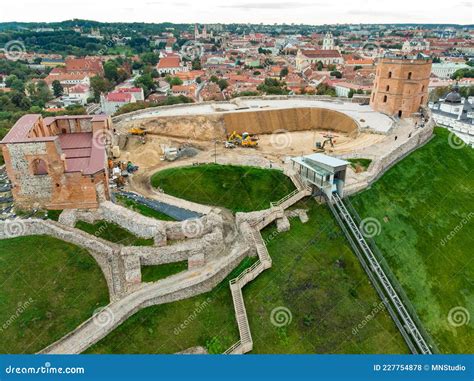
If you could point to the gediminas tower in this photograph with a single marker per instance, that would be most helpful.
(401, 85)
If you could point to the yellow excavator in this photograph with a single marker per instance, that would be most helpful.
(244, 140)
(328, 138)
(137, 131)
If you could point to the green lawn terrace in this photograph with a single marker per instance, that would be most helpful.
(49, 287)
(238, 188)
(424, 207)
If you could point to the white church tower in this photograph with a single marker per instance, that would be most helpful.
(328, 42)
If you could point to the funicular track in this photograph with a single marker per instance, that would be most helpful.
(384, 287)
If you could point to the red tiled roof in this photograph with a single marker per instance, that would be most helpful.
(168, 62)
(315, 53)
(119, 97)
(83, 64)
(129, 90)
(21, 128)
(83, 152)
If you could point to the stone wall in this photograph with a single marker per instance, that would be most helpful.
(380, 165)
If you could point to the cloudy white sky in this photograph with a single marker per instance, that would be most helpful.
(244, 11)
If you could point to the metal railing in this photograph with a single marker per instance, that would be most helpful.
(393, 279)
(286, 198)
(382, 278)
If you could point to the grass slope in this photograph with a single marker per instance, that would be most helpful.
(238, 188)
(154, 273)
(419, 202)
(48, 288)
(206, 320)
(319, 280)
(113, 233)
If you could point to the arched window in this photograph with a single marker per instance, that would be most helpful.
(39, 167)
(423, 88)
(384, 99)
(389, 74)
(409, 75)
(387, 88)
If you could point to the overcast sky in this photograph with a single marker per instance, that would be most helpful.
(243, 11)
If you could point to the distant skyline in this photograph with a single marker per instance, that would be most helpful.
(243, 11)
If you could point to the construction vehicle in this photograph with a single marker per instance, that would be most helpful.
(328, 138)
(244, 140)
(137, 131)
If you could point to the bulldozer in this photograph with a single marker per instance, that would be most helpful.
(245, 140)
(328, 138)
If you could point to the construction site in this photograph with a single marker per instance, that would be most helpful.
(262, 132)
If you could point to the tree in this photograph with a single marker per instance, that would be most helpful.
(99, 85)
(196, 64)
(351, 93)
(150, 58)
(357, 67)
(331, 67)
(223, 84)
(146, 82)
(57, 88)
(214, 79)
(111, 71)
(41, 94)
(198, 80)
(319, 66)
(173, 81)
(463, 73)
(324, 89)
(336, 74)
(283, 72)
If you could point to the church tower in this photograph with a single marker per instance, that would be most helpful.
(328, 42)
(196, 32)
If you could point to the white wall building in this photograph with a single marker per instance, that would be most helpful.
(446, 69)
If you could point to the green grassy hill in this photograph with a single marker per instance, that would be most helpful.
(425, 206)
(238, 188)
